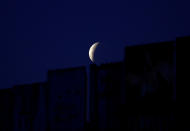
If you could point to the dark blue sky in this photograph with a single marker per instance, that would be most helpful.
(39, 35)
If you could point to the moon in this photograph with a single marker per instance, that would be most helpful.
(92, 51)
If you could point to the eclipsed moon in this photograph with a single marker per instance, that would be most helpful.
(92, 51)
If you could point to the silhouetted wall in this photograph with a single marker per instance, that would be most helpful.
(67, 99)
(30, 107)
(150, 86)
(108, 83)
(6, 109)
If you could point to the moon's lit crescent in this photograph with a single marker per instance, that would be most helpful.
(92, 51)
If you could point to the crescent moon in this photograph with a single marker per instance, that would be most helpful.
(92, 51)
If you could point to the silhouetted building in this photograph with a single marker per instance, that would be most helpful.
(150, 86)
(183, 44)
(138, 94)
(30, 108)
(183, 40)
(67, 99)
(6, 109)
(107, 96)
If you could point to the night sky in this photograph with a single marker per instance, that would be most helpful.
(39, 35)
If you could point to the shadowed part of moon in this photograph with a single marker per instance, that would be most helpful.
(92, 51)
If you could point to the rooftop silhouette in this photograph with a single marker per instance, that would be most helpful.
(136, 94)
